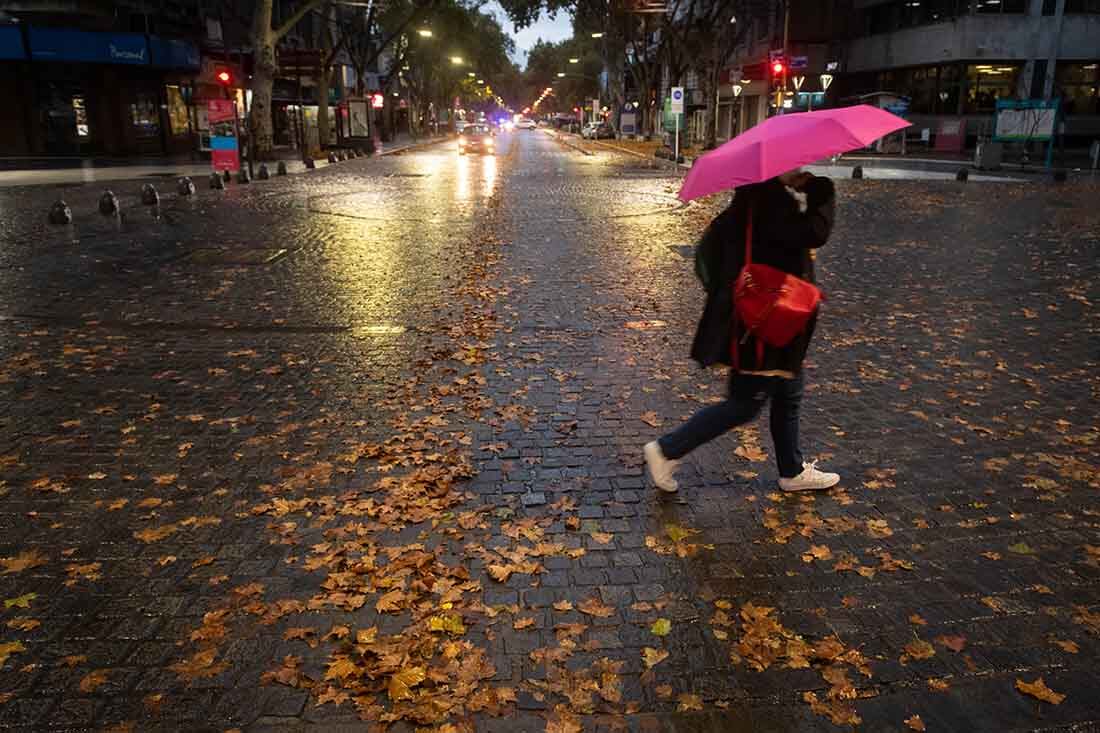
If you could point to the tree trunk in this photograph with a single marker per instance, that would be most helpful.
(710, 91)
(263, 78)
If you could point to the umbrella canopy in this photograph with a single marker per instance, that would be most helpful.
(783, 143)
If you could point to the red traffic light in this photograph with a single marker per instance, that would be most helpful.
(777, 68)
(224, 77)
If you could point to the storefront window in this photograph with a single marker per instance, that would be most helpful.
(1079, 87)
(145, 115)
(177, 111)
(1002, 6)
(986, 83)
(80, 115)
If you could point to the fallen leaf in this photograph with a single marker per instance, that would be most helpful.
(595, 607)
(915, 723)
(22, 623)
(563, 606)
(1039, 690)
(688, 702)
(23, 601)
(73, 660)
(22, 561)
(1021, 548)
(650, 418)
(920, 649)
(653, 657)
(918, 620)
(153, 534)
(523, 623)
(751, 453)
(1068, 646)
(954, 643)
(661, 627)
(92, 681)
(402, 682)
(8, 648)
(602, 537)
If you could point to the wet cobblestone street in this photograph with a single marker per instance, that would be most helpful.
(361, 447)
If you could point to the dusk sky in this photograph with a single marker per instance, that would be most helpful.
(557, 28)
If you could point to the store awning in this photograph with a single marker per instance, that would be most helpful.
(172, 54)
(62, 44)
(11, 43)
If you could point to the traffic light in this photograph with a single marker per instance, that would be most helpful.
(224, 77)
(777, 69)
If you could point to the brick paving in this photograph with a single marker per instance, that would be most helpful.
(394, 473)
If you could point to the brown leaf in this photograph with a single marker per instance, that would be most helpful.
(390, 601)
(595, 607)
(650, 418)
(653, 657)
(915, 723)
(1039, 690)
(153, 534)
(917, 619)
(8, 648)
(200, 665)
(22, 623)
(500, 573)
(22, 561)
(563, 721)
(402, 682)
(73, 660)
(920, 649)
(688, 702)
(92, 681)
(1068, 646)
(954, 643)
(299, 632)
(563, 605)
(751, 453)
(602, 537)
(523, 623)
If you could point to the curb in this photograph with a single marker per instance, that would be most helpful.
(561, 140)
(411, 146)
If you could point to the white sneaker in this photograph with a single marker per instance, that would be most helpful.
(660, 468)
(810, 479)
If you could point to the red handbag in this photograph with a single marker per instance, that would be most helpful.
(772, 305)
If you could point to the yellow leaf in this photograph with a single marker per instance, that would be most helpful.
(499, 573)
(1068, 646)
(676, 533)
(23, 601)
(661, 627)
(563, 606)
(523, 623)
(341, 669)
(401, 683)
(602, 537)
(1039, 690)
(24, 624)
(653, 657)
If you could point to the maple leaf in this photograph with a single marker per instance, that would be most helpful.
(153, 534)
(651, 419)
(920, 649)
(73, 660)
(401, 683)
(22, 561)
(523, 623)
(653, 657)
(8, 648)
(688, 702)
(451, 623)
(954, 643)
(199, 666)
(390, 601)
(299, 632)
(879, 528)
(341, 669)
(333, 695)
(817, 552)
(914, 722)
(23, 623)
(602, 537)
(1039, 690)
(23, 601)
(563, 605)
(595, 607)
(91, 681)
(1068, 646)
(563, 721)
(917, 619)
(500, 573)
(752, 453)
(661, 627)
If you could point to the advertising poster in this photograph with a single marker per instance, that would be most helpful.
(224, 152)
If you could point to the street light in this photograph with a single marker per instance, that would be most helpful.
(597, 35)
(456, 60)
(561, 74)
(470, 73)
(574, 61)
(425, 32)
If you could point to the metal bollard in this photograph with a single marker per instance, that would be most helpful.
(185, 186)
(857, 172)
(280, 169)
(108, 203)
(149, 195)
(963, 175)
(332, 157)
(1060, 175)
(263, 173)
(226, 176)
(243, 177)
(310, 163)
(60, 213)
(216, 182)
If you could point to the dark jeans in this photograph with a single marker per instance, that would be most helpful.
(748, 393)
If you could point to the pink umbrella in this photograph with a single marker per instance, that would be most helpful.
(785, 142)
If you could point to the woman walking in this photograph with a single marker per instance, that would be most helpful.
(784, 237)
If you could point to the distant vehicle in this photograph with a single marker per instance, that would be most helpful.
(598, 131)
(460, 125)
(476, 138)
(525, 124)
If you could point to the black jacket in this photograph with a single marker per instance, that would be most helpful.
(783, 237)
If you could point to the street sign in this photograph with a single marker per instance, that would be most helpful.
(224, 153)
(677, 101)
(799, 62)
(776, 54)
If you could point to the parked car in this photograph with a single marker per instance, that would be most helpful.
(525, 124)
(476, 138)
(598, 131)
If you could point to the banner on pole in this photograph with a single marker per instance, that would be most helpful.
(224, 152)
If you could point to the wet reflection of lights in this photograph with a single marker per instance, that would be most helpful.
(489, 173)
(462, 178)
(381, 330)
